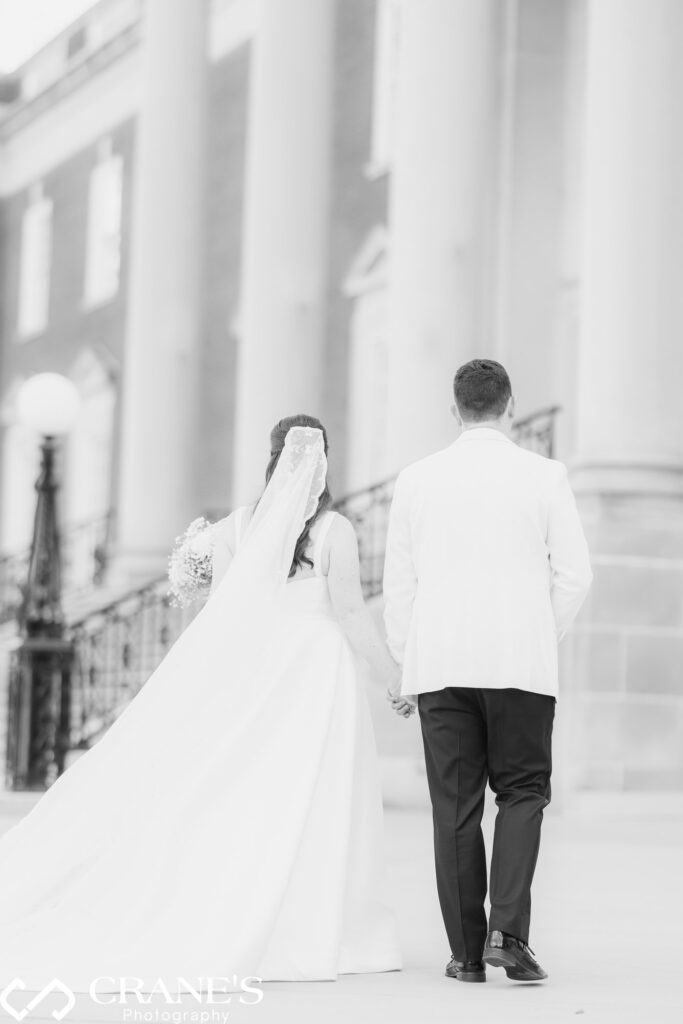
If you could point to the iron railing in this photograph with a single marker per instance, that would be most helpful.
(117, 648)
(85, 550)
(537, 431)
(368, 510)
(38, 709)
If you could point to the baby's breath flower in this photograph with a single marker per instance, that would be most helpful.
(190, 563)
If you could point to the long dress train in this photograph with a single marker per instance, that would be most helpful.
(228, 825)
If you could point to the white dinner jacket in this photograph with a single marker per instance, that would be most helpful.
(486, 567)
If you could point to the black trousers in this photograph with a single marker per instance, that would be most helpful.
(471, 737)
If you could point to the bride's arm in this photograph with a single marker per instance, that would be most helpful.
(223, 550)
(350, 608)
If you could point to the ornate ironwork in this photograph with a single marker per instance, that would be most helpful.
(39, 698)
(41, 611)
(40, 668)
(116, 649)
(13, 572)
(85, 556)
(368, 510)
(537, 432)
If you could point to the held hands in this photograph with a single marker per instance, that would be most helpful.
(403, 706)
(400, 705)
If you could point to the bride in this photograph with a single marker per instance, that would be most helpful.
(229, 823)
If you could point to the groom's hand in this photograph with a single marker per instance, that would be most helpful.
(400, 705)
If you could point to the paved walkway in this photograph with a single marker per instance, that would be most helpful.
(607, 926)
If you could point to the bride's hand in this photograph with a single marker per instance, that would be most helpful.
(394, 679)
(401, 705)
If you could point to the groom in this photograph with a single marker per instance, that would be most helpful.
(486, 567)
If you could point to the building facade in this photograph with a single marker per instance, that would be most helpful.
(214, 214)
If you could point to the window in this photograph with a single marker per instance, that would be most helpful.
(387, 43)
(35, 266)
(103, 256)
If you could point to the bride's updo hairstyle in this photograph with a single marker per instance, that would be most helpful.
(277, 443)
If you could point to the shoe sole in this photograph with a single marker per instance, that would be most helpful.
(501, 958)
(470, 977)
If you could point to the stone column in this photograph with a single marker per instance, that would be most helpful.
(160, 373)
(630, 423)
(626, 651)
(440, 198)
(282, 320)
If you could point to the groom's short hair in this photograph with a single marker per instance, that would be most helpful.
(482, 389)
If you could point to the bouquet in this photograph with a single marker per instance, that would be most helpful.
(190, 563)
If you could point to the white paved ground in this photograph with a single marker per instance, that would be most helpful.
(607, 926)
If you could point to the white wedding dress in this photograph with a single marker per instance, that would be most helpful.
(229, 824)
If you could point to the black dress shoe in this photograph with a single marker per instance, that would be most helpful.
(469, 970)
(503, 950)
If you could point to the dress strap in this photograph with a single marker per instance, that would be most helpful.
(322, 530)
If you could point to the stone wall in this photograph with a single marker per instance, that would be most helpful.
(623, 676)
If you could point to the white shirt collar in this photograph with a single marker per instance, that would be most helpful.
(483, 434)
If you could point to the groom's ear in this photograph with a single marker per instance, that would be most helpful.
(456, 415)
(511, 407)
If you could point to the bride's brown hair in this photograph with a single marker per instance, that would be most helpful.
(277, 443)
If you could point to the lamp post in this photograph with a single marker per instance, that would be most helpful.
(39, 685)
